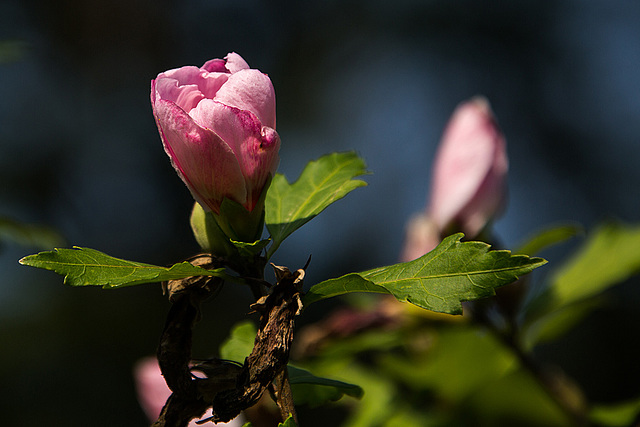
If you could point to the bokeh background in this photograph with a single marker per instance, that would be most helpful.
(79, 152)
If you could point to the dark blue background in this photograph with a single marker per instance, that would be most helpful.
(79, 151)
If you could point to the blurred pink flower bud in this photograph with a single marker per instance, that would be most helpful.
(153, 391)
(422, 235)
(217, 124)
(468, 185)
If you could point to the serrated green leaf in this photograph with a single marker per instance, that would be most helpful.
(548, 237)
(453, 272)
(322, 182)
(88, 267)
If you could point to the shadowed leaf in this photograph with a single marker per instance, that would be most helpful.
(610, 255)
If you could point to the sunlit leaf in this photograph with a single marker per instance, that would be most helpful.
(322, 182)
(88, 267)
(453, 272)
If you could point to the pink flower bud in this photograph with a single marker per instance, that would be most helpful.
(468, 185)
(217, 124)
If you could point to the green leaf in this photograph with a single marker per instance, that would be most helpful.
(28, 234)
(557, 322)
(447, 367)
(289, 422)
(250, 250)
(377, 404)
(515, 399)
(306, 387)
(88, 267)
(322, 182)
(610, 255)
(314, 391)
(615, 415)
(453, 272)
(548, 237)
(239, 344)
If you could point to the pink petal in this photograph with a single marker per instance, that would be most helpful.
(152, 389)
(186, 86)
(259, 160)
(250, 90)
(235, 63)
(203, 160)
(255, 146)
(489, 199)
(472, 149)
(215, 65)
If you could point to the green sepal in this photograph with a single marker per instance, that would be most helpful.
(238, 223)
(208, 233)
(233, 230)
(250, 250)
